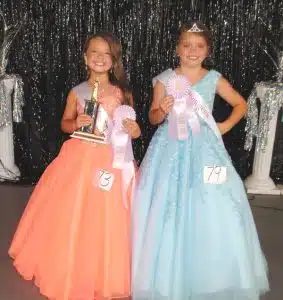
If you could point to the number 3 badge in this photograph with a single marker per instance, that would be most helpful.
(104, 179)
(215, 175)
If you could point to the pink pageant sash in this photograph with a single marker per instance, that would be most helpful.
(188, 107)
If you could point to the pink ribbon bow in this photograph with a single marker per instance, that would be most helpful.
(183, 111)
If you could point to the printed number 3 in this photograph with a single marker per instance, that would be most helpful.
(105, 180)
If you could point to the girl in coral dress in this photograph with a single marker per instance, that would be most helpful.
(74, 238)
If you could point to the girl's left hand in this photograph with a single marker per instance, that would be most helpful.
(132, 128)
(223, 127)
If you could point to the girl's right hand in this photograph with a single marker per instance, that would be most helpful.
(83, 120)
(166, 104)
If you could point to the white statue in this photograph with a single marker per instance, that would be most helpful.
(11, 103)
(263, 126)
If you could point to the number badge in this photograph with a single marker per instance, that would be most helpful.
(215, 174)
(104, 180)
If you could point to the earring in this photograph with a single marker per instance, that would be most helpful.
(176, 60)
(209, 61)
(111, 71)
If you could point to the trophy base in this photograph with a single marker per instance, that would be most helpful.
(89, 137)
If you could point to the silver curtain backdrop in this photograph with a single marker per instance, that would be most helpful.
(47, 54)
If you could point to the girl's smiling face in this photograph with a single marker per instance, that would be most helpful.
(192, 49)
(98, 57)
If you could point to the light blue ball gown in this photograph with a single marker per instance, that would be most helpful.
(193, 240)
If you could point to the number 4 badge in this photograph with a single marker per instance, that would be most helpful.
(215, 174)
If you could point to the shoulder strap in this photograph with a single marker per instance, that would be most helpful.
(162, 77)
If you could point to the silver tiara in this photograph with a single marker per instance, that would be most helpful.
(195, 28)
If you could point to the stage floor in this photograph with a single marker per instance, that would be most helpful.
(268, 213)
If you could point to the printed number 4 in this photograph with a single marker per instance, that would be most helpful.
(215, 174)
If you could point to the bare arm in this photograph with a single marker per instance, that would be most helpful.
(231, 96)
(132, 128)
(160, 105)
(70, 120)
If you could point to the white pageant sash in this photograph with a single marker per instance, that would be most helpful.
(188, 107)
(123, 157)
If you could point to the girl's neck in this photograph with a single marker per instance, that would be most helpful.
(102, 78)
(194, 74)
(194, 71)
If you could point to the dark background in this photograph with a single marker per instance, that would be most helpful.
(47, 54)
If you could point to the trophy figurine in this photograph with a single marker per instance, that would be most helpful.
(95, 132)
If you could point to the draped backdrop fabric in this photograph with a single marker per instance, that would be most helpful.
(47, 54)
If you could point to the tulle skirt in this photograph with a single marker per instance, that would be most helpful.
(193, 240)
(74, 237)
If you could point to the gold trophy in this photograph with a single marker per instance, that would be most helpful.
(95, 131)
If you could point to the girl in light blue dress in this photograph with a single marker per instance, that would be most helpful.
(194, 237)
